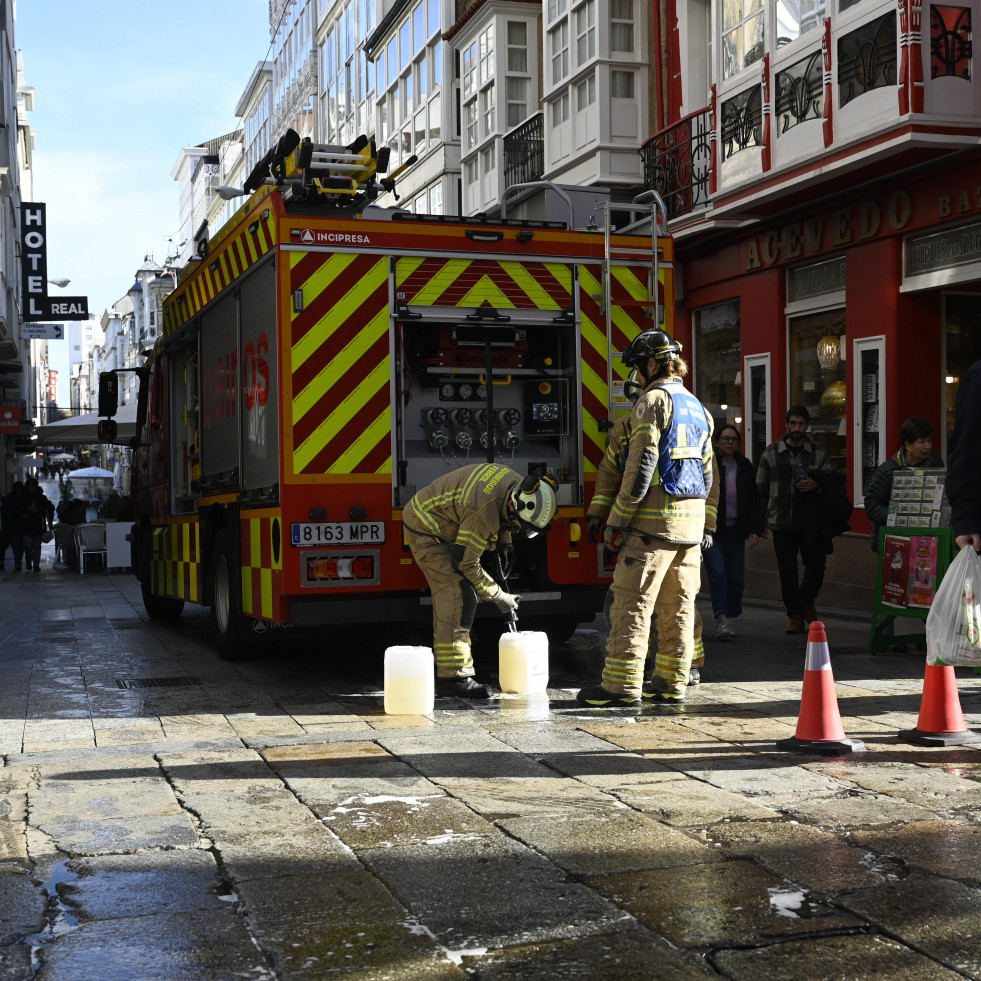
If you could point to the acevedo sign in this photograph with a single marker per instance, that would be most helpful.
(34, 267)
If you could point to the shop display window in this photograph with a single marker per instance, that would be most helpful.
(962, 317)
(718, 362)
(817, 378)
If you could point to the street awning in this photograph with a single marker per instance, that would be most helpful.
(84, 429)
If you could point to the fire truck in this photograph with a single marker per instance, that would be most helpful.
(322, 358)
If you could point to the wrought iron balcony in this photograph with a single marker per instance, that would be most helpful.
(524, 152)
(677, 162)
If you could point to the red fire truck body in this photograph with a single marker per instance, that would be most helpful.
(316, 369)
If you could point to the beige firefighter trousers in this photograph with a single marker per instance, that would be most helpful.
(454, 605)
(651, 572)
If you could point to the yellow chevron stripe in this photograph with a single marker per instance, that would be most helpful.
(627, 277)
(485, 290)
(308, 345)
(444, 279)
(531, 287)
(343, 414)
(225, 267)
(405, 266)
(377, 430)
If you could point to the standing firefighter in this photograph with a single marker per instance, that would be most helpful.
(448, 526)
(656, 524)
(608, 477)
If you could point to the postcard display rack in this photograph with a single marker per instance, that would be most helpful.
(915, 549)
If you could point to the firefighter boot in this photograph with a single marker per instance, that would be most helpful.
(465, 687)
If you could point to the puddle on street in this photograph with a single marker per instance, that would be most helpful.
(61, 919)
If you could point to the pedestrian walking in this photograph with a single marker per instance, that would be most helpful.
(915, 450)
(963, 486)
(656, 526)
(608, 477)
(14, 510)
(38, 518)
(788, 493)
(448, 526)
(740, 520)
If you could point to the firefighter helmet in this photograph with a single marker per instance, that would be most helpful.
(633, 386)
(655, 344)
(534, 503)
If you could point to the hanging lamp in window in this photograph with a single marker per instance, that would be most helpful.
(829, 350)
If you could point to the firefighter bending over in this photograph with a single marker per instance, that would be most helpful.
(656, 524)
(448, 526)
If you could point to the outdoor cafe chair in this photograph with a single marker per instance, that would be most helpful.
(90, 539)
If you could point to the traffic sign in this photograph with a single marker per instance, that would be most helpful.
(40, 332)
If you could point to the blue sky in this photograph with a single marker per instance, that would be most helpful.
(120, 88)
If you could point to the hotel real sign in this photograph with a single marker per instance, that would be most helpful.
(34, 272)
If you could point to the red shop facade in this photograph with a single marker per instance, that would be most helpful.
(865, 308)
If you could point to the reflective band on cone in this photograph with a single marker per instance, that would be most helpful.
(819, 728)
(941, 721)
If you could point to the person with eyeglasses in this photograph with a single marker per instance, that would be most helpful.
(740, 519)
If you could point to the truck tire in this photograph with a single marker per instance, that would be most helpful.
(226, 600)
(157, 607)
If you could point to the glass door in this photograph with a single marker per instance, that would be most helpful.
(756, 413)
(870, 442)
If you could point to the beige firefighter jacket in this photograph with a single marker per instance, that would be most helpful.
(466, 509)
(642, 503)
(610, 473)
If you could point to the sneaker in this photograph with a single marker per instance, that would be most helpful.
(722, 629)
(796, 624)
(694, 676)
(810, 614)
(599, 697)
(465, 687)
(658, 697)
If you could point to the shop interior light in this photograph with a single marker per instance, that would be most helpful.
(949, 379)
(829, 351)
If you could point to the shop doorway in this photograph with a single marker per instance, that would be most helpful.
(962, 332)
(757, 412)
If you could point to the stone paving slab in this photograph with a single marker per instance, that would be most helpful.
(118, 886)
(346, 924)
(817, 860)
(627, 956)
(944, 848)
(161, 947)
(851, 958)
(720, 904)
(623, 841)
(519, 797)
(855, 809)
(75, 836)
(516, 895)
(933, 915)
(690, 803)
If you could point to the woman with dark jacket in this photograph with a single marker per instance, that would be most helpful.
(915, 452)
(740, 518)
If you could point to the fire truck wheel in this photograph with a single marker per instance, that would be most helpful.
(226, 601)
(157, 607)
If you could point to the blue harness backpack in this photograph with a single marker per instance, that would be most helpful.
(681, 447)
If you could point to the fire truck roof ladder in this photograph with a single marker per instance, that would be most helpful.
(650, 207)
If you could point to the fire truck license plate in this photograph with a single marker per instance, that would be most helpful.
(339, 533)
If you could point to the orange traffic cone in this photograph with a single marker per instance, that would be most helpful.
(941, 721)
(819, 728)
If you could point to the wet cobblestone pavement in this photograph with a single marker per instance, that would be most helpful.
(167, 815)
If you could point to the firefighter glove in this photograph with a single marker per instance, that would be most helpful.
(708, 540)
(613, 538)
(594, 529)
(506, 602)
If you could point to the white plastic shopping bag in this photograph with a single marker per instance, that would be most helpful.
(953, 626)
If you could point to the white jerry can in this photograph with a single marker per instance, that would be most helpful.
(523, 662)
(410, 688)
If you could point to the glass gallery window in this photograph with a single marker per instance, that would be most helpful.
(816, 323)
(718, 360)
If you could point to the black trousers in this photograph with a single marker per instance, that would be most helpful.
(796, 595)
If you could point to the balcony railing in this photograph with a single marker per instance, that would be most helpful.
(677, 162)
(524, 152)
